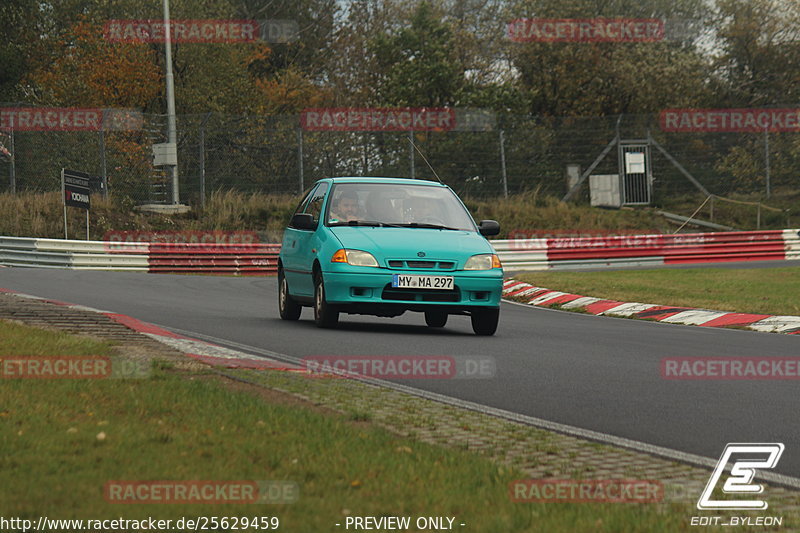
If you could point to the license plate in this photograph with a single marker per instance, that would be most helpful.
(401, 281)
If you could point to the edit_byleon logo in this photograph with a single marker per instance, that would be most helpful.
(746, 458)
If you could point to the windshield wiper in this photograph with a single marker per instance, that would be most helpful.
(427, 226)
(377, 224)
(373, 223)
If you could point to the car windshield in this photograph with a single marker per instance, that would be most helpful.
(393, 205)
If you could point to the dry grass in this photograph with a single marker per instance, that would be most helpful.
(41, 215)
(231, 210)
(529, 211)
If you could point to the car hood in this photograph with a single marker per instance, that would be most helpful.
(407, 243)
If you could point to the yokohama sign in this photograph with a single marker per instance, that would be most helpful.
(729, 120)
(76, 189)
(378, 119)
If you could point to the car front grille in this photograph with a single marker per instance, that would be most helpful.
(421, 264)
(415, 264)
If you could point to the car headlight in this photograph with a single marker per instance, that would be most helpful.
(483, 262)
(354, 257)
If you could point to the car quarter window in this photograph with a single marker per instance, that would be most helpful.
(314, 205)
(304, 201)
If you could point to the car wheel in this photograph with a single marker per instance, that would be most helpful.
(435, 319)
(484, 321)
(325, 315)
(287, 307)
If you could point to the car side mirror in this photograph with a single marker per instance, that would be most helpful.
(304, 221)
(487, 228)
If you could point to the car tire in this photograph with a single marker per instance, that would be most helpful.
(435, 319)
(484, 321)
(287, 307)
(325, 315)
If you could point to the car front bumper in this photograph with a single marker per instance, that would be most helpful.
(372, 287)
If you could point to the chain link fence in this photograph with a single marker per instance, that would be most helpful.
(272, 154)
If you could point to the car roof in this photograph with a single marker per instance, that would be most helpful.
(375, 179)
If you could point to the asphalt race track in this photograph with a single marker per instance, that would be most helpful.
(596, 373)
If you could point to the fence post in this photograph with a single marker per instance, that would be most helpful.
(12, 169)
(103, 168)
(503, 162)
(758, 216)
(364, 143)
(202, 143)
(411, 153)
(766, 157)
(300, 159)
(711, 205)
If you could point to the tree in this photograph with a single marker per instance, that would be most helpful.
(91, 72)
(606, 78)
(352, 71)
(20, 21)
(315, 20)
(417, 64)
(759, 52)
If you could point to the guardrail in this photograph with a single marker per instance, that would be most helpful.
(252, 259)
(516, 254)
(143, 257)
(647, 250)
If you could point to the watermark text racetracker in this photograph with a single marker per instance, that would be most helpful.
(615, 30)
(201, 492)
(72, 367)
(730, 120)
(378, 119)
(523, 239)
(401, 366)
(69, 119)
(201, 31)
(121, 241)
(586, 490)
(730, 368)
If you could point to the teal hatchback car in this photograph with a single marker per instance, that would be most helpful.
(384, 246)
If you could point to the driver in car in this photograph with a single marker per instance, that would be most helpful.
(346, 208)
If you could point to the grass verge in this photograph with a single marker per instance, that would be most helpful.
(769, 291)
(30, 214)
(40, 215)
(194, 426)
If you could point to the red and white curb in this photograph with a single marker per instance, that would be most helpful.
(203, 351)
(541, 297)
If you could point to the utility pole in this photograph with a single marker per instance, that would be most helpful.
(766, 159)
(172, 137)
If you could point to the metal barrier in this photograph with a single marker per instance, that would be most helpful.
(647, 250)
(143, 257)
(516, 254)
(251, 259)
(84, 255)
